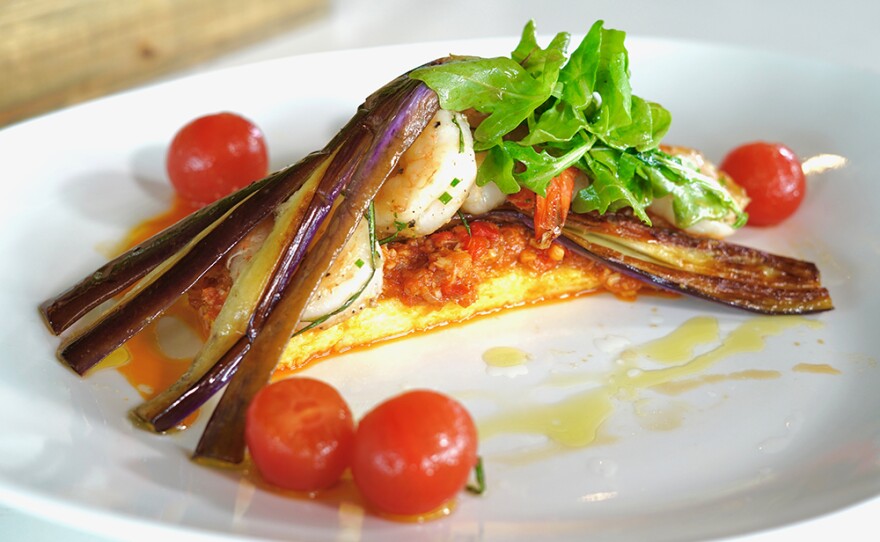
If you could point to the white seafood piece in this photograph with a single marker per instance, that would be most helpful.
(717, 229)
(482, 199)
(345, 279)
(432, 180)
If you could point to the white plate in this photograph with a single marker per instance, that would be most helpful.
(734, 456)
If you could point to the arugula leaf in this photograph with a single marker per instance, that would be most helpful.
(559, 123)
(578, 76)
(649, 124)
(498, 86)
(542, 167)
(695, 196)
(497, 167)
(615, 185)
(547, 111)
(612, 84)
(542, 64)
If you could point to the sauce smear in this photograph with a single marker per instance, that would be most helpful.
(142, 361)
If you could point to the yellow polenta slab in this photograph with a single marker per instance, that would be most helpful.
(390, 318)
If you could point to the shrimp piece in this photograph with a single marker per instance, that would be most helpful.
(432, 180)
(356, 272)
(717, 229)
(482, 199)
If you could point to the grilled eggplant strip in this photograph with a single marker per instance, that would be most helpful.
(401, 112)
(206, 378)
(82, 351)
(215, 364)
(232, 322)
(160, 250)
(680, 262)
(63, 310)
(719, 271)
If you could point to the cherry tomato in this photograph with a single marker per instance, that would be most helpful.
(414, 452)
(772, 177)
(300, 434)
(215, 155)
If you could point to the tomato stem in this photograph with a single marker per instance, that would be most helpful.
(479, 487)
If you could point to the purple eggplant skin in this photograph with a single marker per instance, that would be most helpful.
(710, 269)
(85, 349)
(399, 115)
(109, 280)
(168, 410)
(719, 271)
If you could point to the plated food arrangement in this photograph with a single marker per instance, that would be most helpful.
(465, 186)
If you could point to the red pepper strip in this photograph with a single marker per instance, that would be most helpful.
(552, 210)
(549, 211)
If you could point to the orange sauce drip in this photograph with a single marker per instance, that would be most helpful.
(148, 369)
(180, 209)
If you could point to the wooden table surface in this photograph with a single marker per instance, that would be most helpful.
(55, 53)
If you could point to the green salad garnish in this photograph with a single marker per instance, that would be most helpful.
(547, 110)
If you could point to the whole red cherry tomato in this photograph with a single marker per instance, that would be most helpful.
(300, 434)
(772, 177)
(215, 155)
(414, 452)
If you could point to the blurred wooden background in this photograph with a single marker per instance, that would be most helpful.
(54, 53)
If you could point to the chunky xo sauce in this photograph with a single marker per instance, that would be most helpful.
(449, 265)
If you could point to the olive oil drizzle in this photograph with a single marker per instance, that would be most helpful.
(748, 337)
(577, 420)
